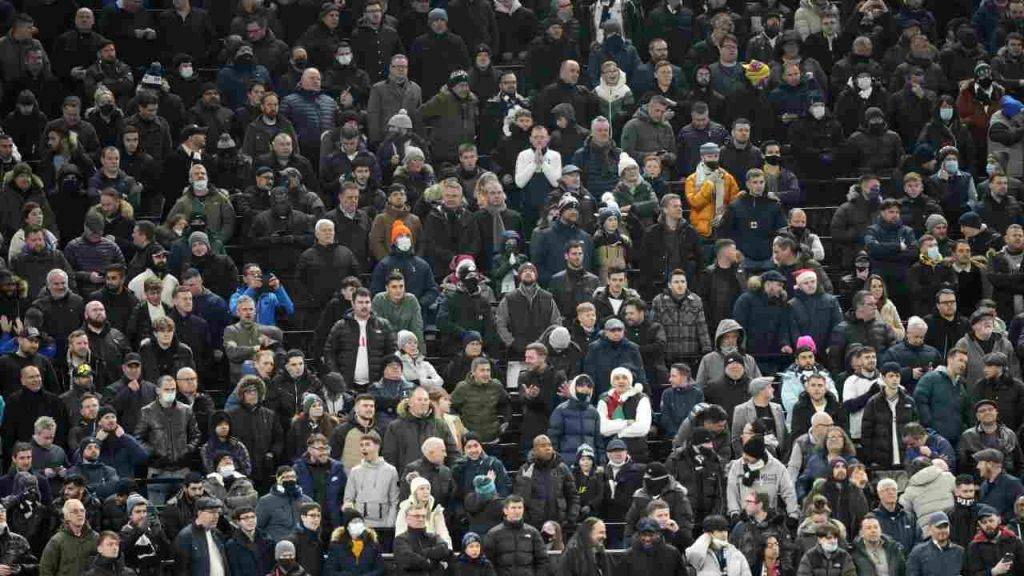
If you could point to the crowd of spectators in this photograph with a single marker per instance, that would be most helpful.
(511, 288)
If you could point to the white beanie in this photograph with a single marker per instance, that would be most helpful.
(622, 371)
(625, 161)
(559, 338)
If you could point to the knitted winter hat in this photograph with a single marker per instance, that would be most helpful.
(399, 229)
(308, 399)
(484, 486)
(404, 337)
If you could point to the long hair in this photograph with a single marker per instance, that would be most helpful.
(885, 290)
(848, 448)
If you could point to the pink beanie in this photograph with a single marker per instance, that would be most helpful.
(808, 342)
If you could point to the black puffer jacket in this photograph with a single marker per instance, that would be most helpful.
(157, 361)
(549, 490)
(876, 427)
(702, 476)
(674, 494)
(342, 346)
(662, 559)
(516, 549)
(258, 428)
(419, 552)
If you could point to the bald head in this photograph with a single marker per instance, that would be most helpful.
(84, 19)
(310, 80)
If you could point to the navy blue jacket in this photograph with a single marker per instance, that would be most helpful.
(335, 486)
(574, 423)
(603, 356)
(676, 405)
(882, 241)
(419, 278)
(191, 556)
(928, 560)
(815, 315)
(250, 558)
(1002, 493)
(900, 525)
(910, 357)
(547, 249)
(769, 325)
(341, 561)
(752, 222)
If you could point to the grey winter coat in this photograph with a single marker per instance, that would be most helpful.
(705, 561)
(278, 513)
(976, 359)
(372, 489)
(386, 99)
(773, 480)
(642, 135)
(930, 490)
(712, 365)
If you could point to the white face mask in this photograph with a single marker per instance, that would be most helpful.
(226, 470)
(863, 83)
(186, 72)
(356, 529)
(344, 60)
(404, 243)
(167, 398)
(719, 543)
(818, 112)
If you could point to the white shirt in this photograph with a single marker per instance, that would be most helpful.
(362, 371)
(854, 387)
(896, 444)
(155, 312)
(216, 560)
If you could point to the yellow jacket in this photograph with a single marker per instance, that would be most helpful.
(702, 201)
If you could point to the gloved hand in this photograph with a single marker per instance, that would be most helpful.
(792, 523)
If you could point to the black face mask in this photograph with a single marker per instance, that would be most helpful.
(711, 164)
(107, 109)
(876, 127)
(773, 160)
(771, 30)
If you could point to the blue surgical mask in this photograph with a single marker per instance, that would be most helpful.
(946, 114)
(990, 169)
(934, 254)
(952, 166)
